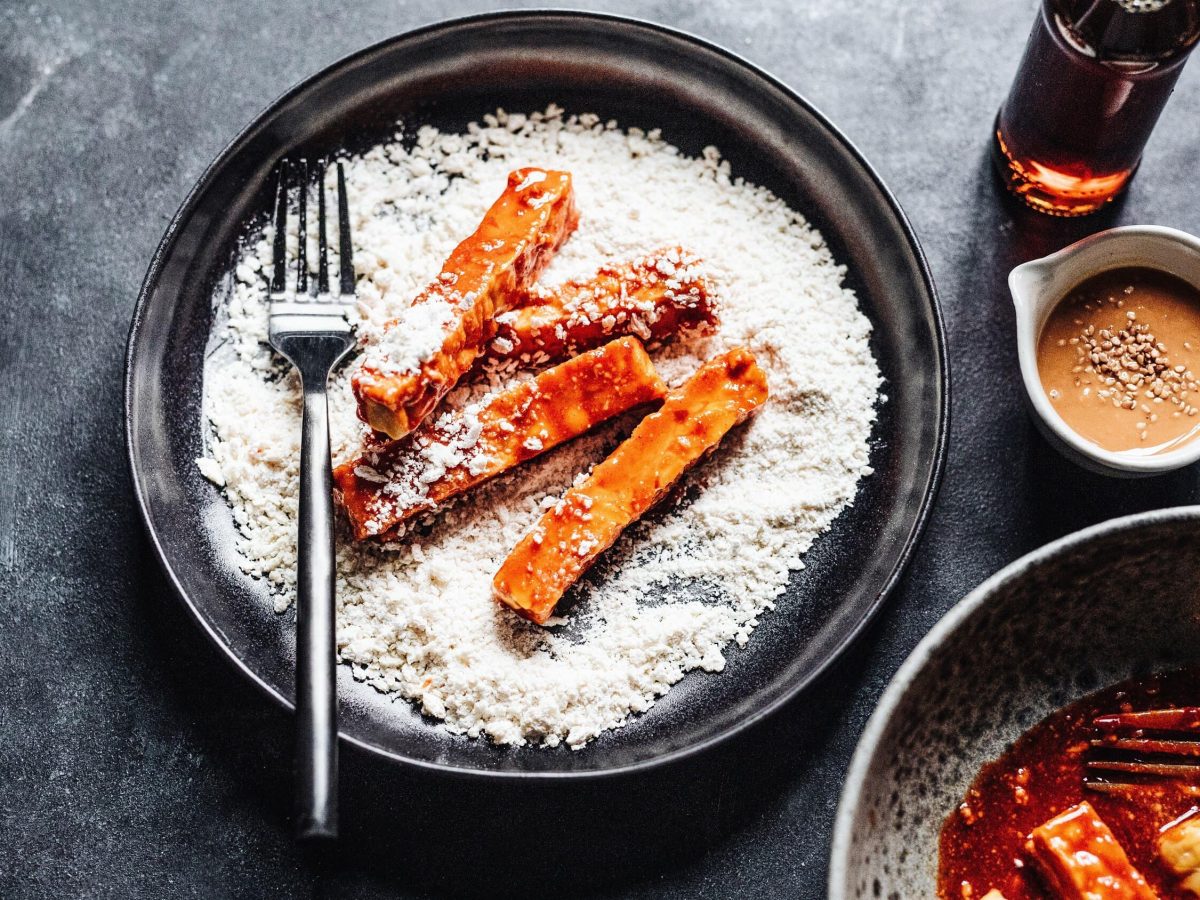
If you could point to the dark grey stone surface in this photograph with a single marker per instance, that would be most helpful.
(136, 764)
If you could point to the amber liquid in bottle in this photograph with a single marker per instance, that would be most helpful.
(1094, 78)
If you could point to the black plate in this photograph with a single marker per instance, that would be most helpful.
(642, 75)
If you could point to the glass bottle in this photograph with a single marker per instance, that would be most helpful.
(1094, 78)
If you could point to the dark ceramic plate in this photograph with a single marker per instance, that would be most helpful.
(642, 75)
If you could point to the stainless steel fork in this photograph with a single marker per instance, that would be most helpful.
(1136, 750)
(308, 325)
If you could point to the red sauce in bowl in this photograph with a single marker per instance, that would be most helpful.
(982, 844)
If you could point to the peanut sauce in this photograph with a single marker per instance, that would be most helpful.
(982, 842)
(1119, 357)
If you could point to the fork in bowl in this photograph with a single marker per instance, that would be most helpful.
(1139, 749)
(308, 325)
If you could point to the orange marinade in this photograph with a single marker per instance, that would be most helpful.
(982, 843)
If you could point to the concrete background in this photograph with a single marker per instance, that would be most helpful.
(135, 764)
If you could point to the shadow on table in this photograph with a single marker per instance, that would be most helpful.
(1069, 497)
(1074, 498)
(469, 837)
(1006, 477)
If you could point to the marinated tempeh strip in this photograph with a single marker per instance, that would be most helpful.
(589, 518)
(452, 453)
(424, 353)
(653, 297)
(1179, 848)
(1080, 859)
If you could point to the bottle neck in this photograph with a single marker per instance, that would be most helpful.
(1132, 31)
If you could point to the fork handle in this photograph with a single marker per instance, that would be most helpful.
(316, 691)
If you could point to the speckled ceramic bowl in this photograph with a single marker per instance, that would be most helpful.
(1096, 607)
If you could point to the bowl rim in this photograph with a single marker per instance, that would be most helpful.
(838, 884)
(1030, 321)
(911, 241)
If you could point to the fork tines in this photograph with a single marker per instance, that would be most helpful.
(294, 175)
(1185, 720)
(1144, 749)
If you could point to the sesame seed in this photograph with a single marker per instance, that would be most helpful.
(1134, 368)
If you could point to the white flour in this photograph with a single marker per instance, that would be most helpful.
(418, 618)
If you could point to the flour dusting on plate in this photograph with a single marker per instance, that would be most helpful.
(417, 617)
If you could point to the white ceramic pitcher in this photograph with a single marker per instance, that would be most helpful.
(1037, 286)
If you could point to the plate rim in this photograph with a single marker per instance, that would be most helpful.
(792, 690)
